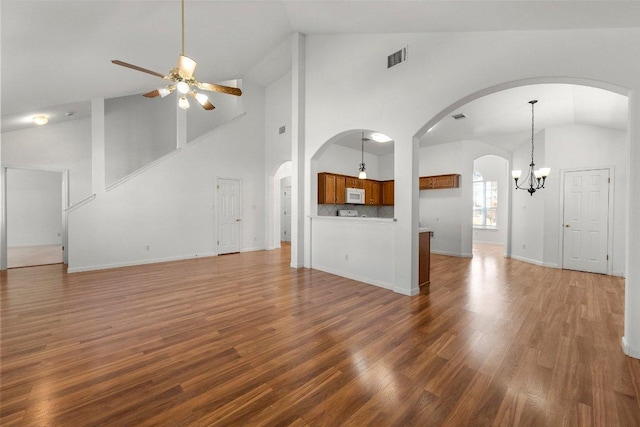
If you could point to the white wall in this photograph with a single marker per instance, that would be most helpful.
(494, 168)
(449, 211)
(354, 248)
(345, 161)
(34, 207)
(527, 222)
(442, 71)
(575, 147)
(56, 146)
(277, 151)
(277, 114)
(138, 130)
(171, 207)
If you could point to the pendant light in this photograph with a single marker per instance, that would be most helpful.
(535, 178)
(362, 167)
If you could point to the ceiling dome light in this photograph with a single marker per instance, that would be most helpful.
(380, 137)
(40, 120)
(183, 103)
(183, 87)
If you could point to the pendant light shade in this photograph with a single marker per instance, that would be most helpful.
(362, 167)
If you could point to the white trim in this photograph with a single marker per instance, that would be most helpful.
(251, 249)
(550, 265)
(480, 242)
(459, 255)
(81, 203)
(527, 260)
(380, 284)
(139, 262)
(630, 350)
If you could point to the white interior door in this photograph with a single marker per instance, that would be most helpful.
(586, 220)
(286, 215)
(229, 217)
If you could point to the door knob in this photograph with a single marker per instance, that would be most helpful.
(238, 220)
(566, 225)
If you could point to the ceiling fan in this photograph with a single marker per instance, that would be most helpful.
(183, 80)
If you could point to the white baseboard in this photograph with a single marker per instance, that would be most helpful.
(251, 249)
(414, 291)
(529, 260)
(355, 277)
(550, 265)
(137, 262)
(618, 273)
(488, 243)
(630, 350)
(459, 255)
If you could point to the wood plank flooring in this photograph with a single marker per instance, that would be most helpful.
(243, 340)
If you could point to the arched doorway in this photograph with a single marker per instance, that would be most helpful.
(569, 118)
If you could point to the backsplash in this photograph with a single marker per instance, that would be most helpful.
(363, 210)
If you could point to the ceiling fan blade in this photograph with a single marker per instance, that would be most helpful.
(219, 88)
(208, 106)
(135, 67)
(152, 94)
(186, 66)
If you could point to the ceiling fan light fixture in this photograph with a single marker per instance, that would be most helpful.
(183, 102)
(183, 87)
(40, 120)
(164, 91)
(186, 66)
(201, 98)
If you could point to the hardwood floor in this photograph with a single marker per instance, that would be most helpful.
(245, 340)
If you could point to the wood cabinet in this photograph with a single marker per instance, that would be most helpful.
(331, 189)
(387, 192)
(372, 192)
(353, 182)
(437, 182)
(424, 257)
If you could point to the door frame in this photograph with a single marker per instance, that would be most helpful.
(4, 207)
(610, 218)
(217, 211)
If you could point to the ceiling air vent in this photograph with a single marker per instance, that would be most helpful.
(397, 58)
(459, 116)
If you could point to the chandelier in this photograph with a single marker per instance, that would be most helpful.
(534, 178)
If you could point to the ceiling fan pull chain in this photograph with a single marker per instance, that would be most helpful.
(182, 27)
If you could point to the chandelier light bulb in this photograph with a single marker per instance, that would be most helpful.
(362, 175)
(183, 103)
(183, 87)
(544, 172)
(516, 174)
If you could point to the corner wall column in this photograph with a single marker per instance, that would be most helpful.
(631, 338)
(298, 190)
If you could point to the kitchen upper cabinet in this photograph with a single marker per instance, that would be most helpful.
(437, 182)
(353, 182)
(331, 189)
(372, 192)
(328, 187)
(387, 192)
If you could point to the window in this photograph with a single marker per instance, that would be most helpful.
(485, 202)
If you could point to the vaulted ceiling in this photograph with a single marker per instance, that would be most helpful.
(58, 52)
